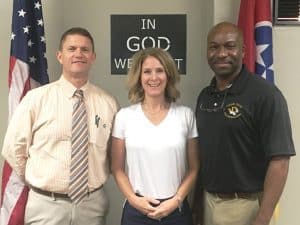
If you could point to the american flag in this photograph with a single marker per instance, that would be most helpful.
(27, 70)
(255, 21)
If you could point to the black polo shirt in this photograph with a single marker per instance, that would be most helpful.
(240, 129)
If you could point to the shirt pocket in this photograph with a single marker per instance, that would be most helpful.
(100, 133)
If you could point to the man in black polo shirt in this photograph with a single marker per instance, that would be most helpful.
(245, 137)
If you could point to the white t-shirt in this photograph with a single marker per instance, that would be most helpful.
(155, 154)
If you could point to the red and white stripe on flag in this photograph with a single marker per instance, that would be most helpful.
(255, 22)
(27, 69)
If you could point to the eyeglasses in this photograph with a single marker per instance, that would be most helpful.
(215, 108)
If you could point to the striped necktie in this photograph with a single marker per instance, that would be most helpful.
(79, 144)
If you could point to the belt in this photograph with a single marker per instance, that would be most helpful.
(58, 195)
(245, 195)
(159, 199)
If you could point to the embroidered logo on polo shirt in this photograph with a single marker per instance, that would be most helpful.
(233, 110)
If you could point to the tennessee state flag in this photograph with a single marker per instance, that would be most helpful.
(255, 22)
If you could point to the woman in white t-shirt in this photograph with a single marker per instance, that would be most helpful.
(157, 139)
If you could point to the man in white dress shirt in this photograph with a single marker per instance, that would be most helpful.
(37, 144)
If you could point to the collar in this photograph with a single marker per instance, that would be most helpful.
(238, 84)
(68, 88)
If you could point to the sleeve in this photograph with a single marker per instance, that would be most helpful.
(192, 125)
(18, 137)
(119, 125)
(275, 126)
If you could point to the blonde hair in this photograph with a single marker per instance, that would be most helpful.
(136, 92)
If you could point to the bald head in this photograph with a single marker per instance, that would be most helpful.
(226, 27)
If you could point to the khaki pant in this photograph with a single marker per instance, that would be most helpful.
(41, 210)
(237, 211)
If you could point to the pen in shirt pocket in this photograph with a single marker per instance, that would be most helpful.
(97, 121)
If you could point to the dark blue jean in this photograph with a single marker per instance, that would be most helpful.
(131, 216)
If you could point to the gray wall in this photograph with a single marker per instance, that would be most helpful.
(59, 15)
